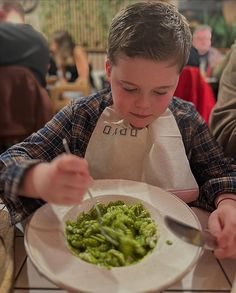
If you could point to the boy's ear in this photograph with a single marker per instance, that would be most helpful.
(108, 69)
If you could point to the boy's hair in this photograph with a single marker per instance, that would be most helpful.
(150, 30)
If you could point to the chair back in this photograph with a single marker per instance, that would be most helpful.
(59, 92)
(25, 105)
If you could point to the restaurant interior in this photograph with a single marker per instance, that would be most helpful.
(33, 262)
(88, 23)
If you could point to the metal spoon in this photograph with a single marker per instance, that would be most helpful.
(190, 234)
(104, 233)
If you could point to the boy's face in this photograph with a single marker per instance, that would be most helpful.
(141, 89)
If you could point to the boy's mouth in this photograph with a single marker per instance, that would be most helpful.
(140, 116)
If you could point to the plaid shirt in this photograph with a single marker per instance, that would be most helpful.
(76, 122)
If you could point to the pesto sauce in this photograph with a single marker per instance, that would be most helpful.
(131, 225)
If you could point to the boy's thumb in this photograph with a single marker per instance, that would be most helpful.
(214, 224)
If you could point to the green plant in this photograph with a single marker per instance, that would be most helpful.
(223, 33)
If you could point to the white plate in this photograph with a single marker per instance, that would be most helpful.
(46, 245)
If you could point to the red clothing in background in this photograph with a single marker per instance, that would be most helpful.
(192, 87)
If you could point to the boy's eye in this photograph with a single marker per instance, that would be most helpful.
(160, 93)
(130, 89)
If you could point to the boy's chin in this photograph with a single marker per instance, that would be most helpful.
(138, 126)
(139, 123)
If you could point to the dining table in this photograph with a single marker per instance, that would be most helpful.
(209, 274)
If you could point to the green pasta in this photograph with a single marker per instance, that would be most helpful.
(131, 225)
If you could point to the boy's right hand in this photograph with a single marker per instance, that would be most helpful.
(63, 181)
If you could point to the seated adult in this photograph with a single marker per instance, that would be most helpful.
(69, 60)
(193, 59)
(209, 56)
(223, 116)
(20, 43)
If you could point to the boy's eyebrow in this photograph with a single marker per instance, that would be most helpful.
(158, 87)
(164, 87)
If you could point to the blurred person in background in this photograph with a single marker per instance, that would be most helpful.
(21, 44)
(68, 60)
(193, 59)
(218, 70)
(209, 56)
(193, 87)
(223, 116)
(24, 59)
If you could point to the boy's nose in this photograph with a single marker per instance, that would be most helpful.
(143, 102)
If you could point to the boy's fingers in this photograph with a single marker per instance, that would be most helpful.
(73, 194)
(71, 163)
(76, 181)
(225, 236)
(220, 253)
(69, 196)
(214, 224)
(226, 252)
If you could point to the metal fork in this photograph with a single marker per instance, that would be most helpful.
(104, 233)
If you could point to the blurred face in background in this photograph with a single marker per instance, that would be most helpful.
(202, 41)
(11, 16)
(53, 47)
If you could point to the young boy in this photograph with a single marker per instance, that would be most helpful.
(136, 130)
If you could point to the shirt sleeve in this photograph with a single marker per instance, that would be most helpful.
(223, 116)
(75, 123)
(214, 173)
(42, 146)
